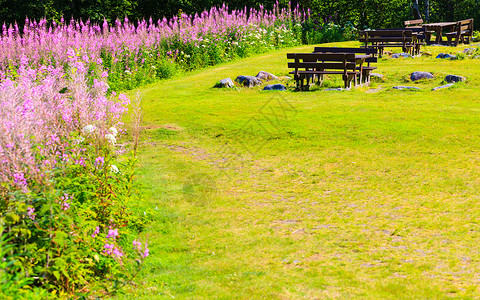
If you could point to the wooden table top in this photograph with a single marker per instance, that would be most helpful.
(440, 24)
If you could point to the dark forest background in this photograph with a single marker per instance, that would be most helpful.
(361, 13)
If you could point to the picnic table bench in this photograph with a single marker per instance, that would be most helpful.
(369, 52)
(419, 32)
(382, 39)
(437, 28)
(314, 65)
(463, 31)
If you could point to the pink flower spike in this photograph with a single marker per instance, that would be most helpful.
(112, 233)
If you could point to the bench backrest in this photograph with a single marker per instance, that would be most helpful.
(387, 36)
(323, 61)
(465, 26)
(418, 31)
(372, 51)
(413, 22)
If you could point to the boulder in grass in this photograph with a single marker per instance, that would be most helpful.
(443, 87)
(446, 56)
(420, 75)
(401, 87)
(227, 83)
(335, 89)
(454, 78)
(404, 55)
(469, 51)
(265, 76)
(248, 81)
(275, 87)
(376, 76)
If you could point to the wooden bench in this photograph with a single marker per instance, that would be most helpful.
(415, 23)
(422, 37)
(314, 65)
(382, 39)
(366, 70)
(463, 32)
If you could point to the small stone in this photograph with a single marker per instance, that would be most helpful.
(334, 89)
(454, 78)
(275, 87)
(227, 82)
(420, 75)
(248, 81)
(265, 76)
(446, 56)
(401, 87)
(376, 76)
(404, 55)
(443, 86)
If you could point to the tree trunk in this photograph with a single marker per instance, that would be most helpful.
(427, 11)
(416, 10)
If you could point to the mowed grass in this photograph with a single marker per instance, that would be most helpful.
(368, 193)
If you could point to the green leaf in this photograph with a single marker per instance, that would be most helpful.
(56, 274)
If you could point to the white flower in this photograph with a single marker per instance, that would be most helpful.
(111, 138)
(88, 129)
(114, 169)
(113, 130)
(80, 140)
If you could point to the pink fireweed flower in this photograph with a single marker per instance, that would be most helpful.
(99, 161)
(30, 213)
(117, 253)
(97, 231)
(20, 179)
(146, 252)
(137, 245)
(109, 248)
(65, 204)
(112, 233)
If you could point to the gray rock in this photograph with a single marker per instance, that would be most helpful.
(401, 87)
(420, 75)
(454, 78)
(334, 89)
(376, 76)
(404, 55)
(443, 86)
(227, 82)
(469, 50)
(248, 81)
(265, 76)
(275, 87)
(437, 45)
(446, 56)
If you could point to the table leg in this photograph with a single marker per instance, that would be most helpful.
(438, 39)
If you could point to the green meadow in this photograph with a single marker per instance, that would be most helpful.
(369, 193)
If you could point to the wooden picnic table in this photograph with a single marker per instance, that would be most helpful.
(438, 27)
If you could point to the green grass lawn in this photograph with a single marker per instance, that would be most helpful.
(368, 193)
